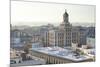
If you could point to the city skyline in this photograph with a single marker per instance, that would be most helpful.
(43, 42)
(29, 13)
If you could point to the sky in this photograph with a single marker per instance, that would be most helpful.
(33, 13)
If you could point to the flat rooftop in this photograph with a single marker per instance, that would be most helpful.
(62, 53)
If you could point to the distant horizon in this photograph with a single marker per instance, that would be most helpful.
(75, 23)
(32, 13)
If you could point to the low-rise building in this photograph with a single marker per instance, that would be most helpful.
(20, 58)
(58, 55)
(15, 57)
(89, 52)
(91, 42)
(36, 45)
(32, 62)
(18, 38)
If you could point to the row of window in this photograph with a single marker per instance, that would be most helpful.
(14, 62)
(50, 59)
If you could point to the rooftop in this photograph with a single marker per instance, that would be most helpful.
(33, 61)
(61, 52)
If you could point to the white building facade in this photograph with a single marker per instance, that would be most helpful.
(91, 42)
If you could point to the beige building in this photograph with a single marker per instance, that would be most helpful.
(46, 38)
(51, 36)
(66, 27)
(63, 36)
(56, 38)
(36, 38)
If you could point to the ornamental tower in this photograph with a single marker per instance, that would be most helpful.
(67, 28)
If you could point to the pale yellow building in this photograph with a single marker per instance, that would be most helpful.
(63, 35)
(56, 38)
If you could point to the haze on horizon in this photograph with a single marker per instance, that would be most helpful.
(32, 13)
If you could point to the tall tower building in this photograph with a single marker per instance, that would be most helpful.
(67, 28)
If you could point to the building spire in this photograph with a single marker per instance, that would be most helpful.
(65, 16)
(65, 10)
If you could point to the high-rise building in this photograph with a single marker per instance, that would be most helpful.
(44, 33)
(62, 36)
(67, 29)
(75, 35)
(79, 35)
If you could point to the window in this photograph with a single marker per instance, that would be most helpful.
(19, 61)
(12, 61)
